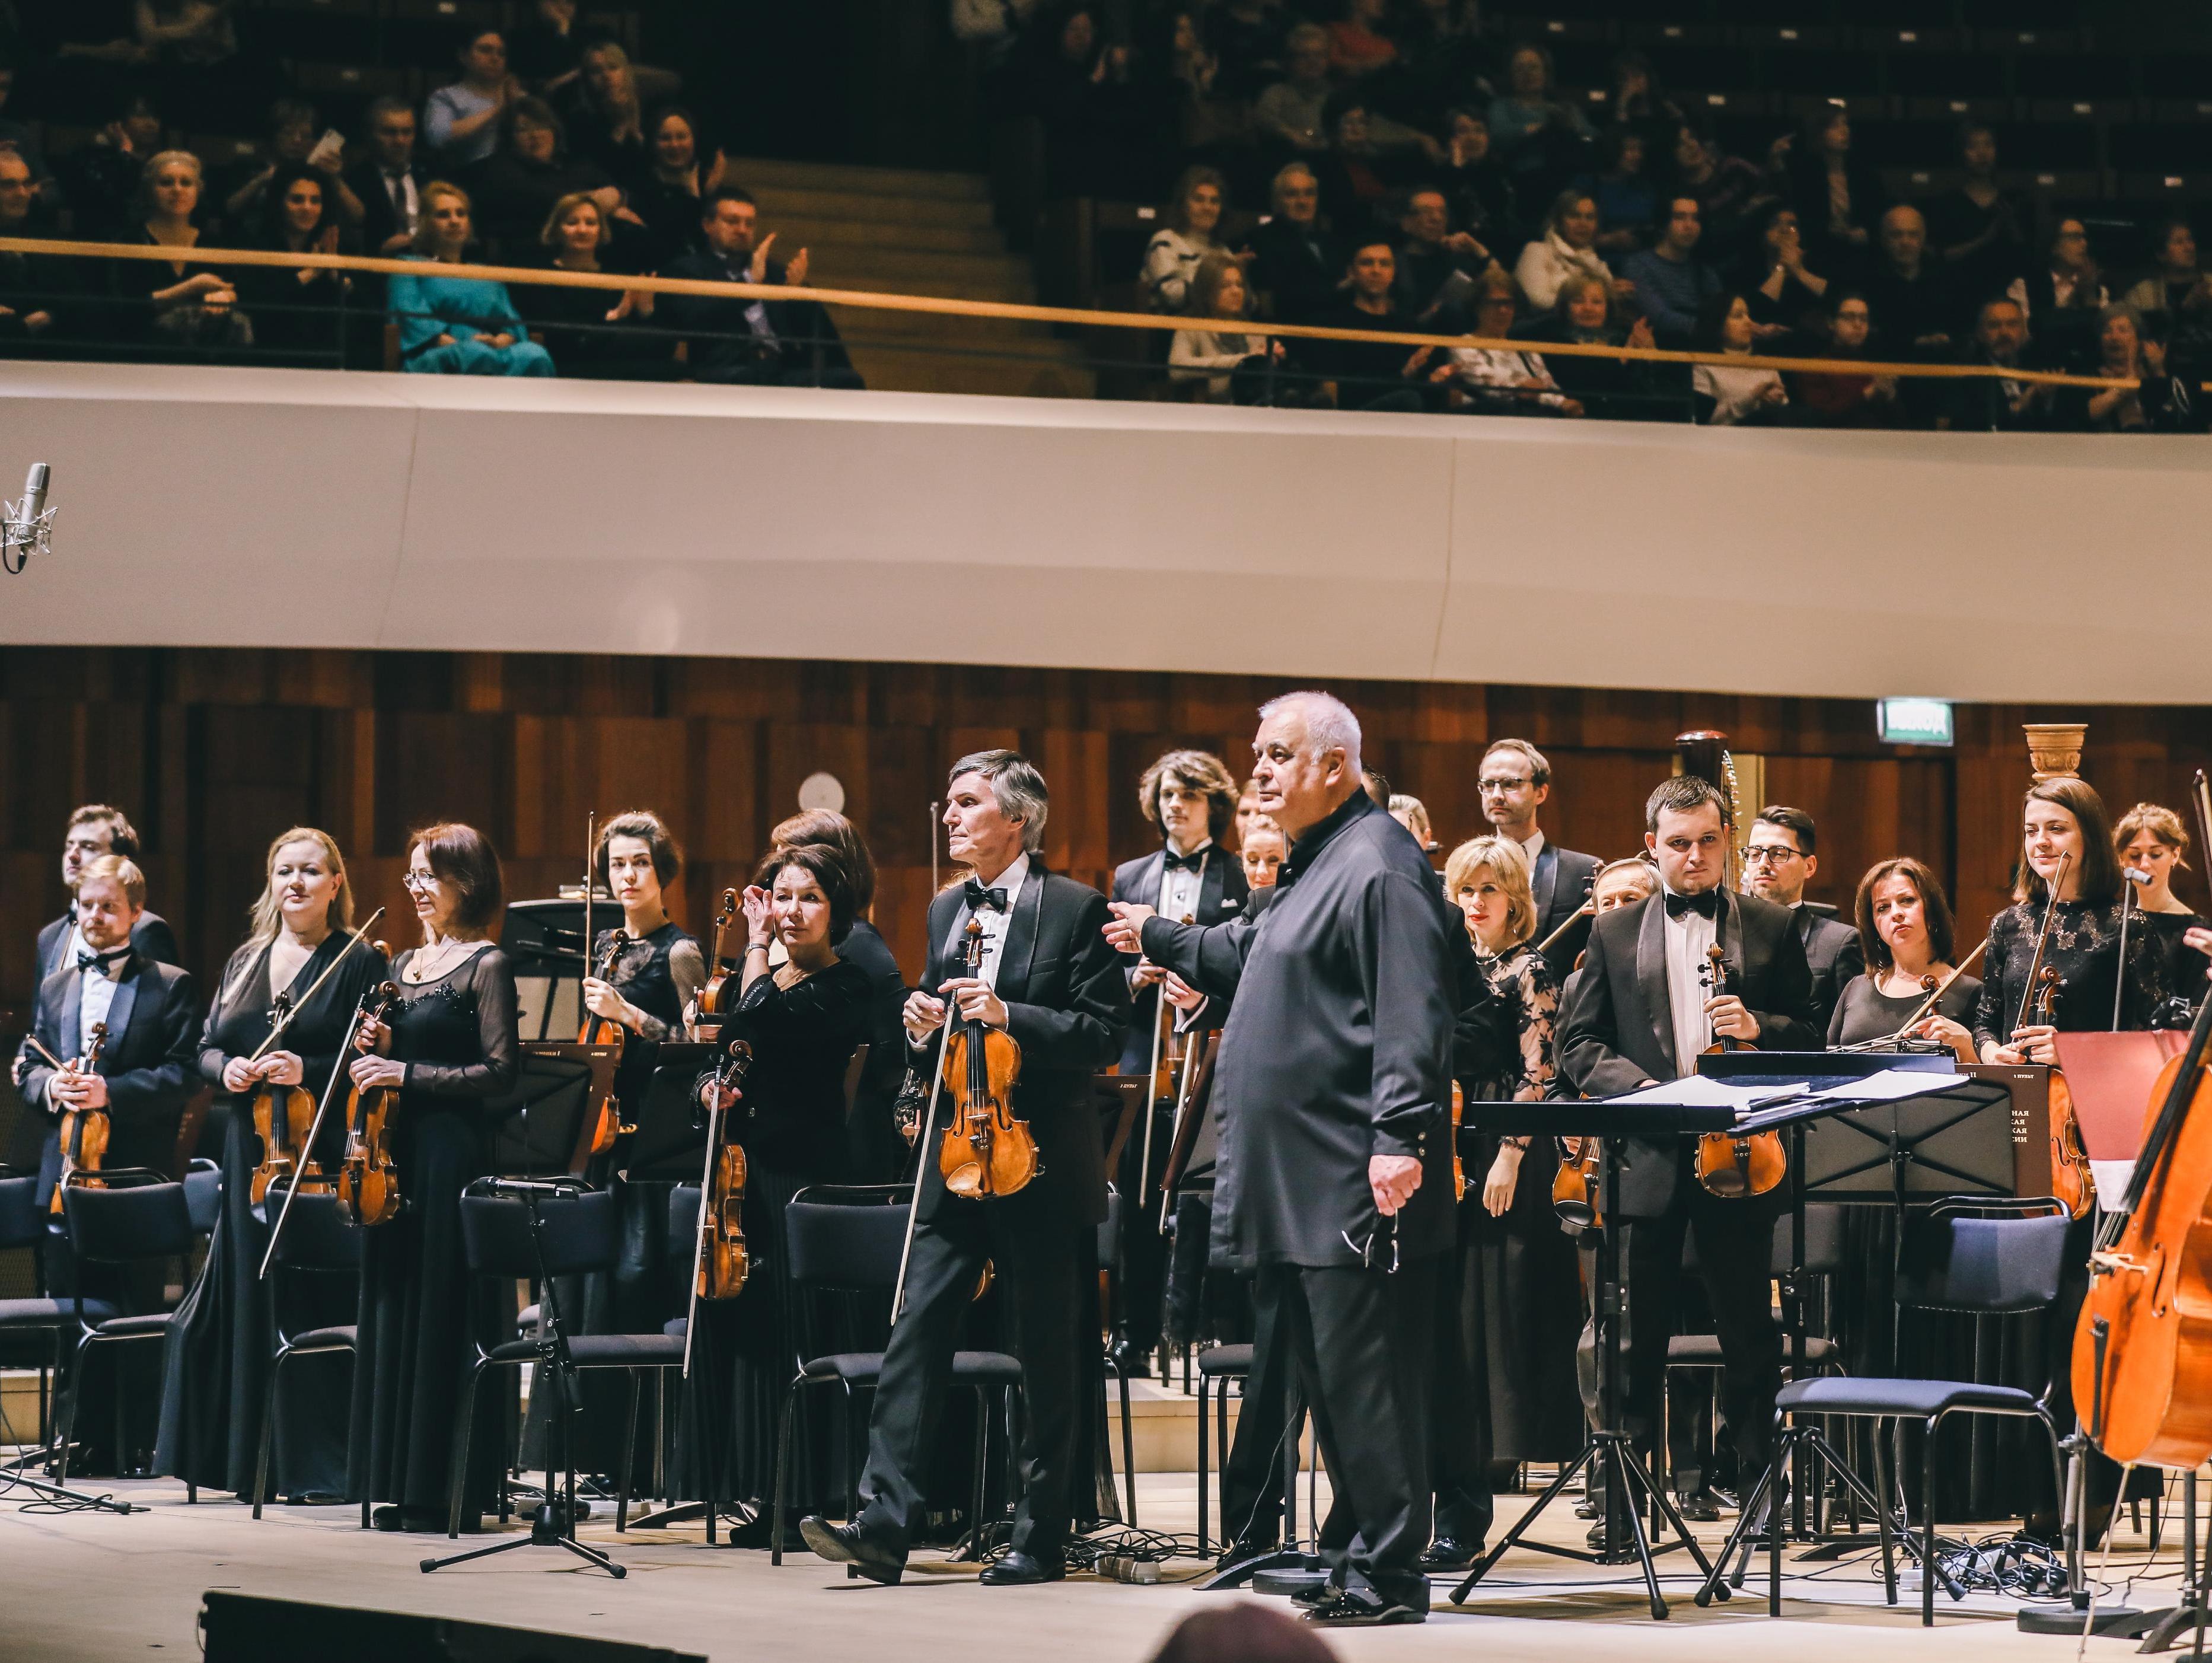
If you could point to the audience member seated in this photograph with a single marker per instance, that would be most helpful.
(1540, 137)
(2154, 401)
(296, 217)
(180, 302)
(1637, 104)
(291, 143)
(457, 325)
(1974, 228)
(1724, 395)
(1357, 46)
(38, 292)
(547, 51)
(1838, 199)
(1914, 303)
(1672, 286)
(1360, 168)
(608, 121)
(745, 342)
(1479, 197)
(584, 329)
(1496, 381)
(2173, 304)
(667, 197)
(532, 170)
(1731, 192)
(1826, 398)
(23, 139)
(1437, 265)
(2064, 299)
(1627, 201)
(1565, 249)
(1288, 116)
(1298, 265)
(1784, 293)
(388, 182)
(1997, 404)
(1371, 374)
(1172, 258)
(1211, 365)
(1615, 389)
(100, 180)
(461, 121)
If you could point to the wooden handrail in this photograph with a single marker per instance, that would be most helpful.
(1012, 312)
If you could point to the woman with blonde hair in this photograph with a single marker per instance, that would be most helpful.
(216, 1370)
(1506, 1390)
(189, 303)
(2152, 841)
(457, 325)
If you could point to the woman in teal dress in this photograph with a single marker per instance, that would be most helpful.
(458, 325)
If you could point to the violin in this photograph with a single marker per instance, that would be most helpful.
(2071, 1180)
(605, 1031)
(1458, 1163)
(368, 1177)
(720, 997)
(83, 1131)
(987, 1150)
(1574, 1187)
(719, 1265)
(1734, 1164)
(283, 1119)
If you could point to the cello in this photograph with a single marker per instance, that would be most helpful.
(1734, 1164)
(987, 1150)
(369, 1176)
(83, 1131)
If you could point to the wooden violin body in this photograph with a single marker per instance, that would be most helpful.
(723, 1263)
(987, 1150)
(2071, 1180)
(720, 997)
(1574, 1185)
(368, 1175)
(1732, 1164)
(83, 1131)
(605, 1031)
(1459, 1161)
(284, 1121)
(2142, 1350)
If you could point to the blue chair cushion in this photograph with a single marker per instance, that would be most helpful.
(601, 1351)
(1921, 1399)
(48, 1312)
(676, 1327)
(527, 1322)
(1229, 1360)
(969, 1368)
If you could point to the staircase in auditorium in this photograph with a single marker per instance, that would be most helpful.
(913, 233)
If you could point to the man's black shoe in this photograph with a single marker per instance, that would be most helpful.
(1015, 1570)
(1450, 1553)
(844, 1544)
(1319, 1594)
(1347, 1610)
(1134, 1365)
(1238, 1552)
(1703, 1508)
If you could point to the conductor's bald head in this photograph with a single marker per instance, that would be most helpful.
(1306, 759)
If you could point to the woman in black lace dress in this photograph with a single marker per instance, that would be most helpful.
(2153, 843)
(803, 1020)
(450, 1047)
(215, 1373)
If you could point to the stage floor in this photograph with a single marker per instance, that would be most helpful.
(89, 1586)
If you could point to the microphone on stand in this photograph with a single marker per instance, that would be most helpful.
(2140, 880)
(27, 527)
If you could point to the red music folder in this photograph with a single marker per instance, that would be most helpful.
(2111, 1076)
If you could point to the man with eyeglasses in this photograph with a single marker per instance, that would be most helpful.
(1515, 780)
(1777, 863)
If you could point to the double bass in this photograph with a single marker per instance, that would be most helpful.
(1734, 1164)
(987, 1150)
(83, 1131)
(369, 1176)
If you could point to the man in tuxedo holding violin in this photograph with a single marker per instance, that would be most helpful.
(1050, 981)
(95, 829)
(1643, 1012)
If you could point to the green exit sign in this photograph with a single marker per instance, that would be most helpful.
(1913, 720)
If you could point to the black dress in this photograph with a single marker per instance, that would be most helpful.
(2085, 950)
(1864, 1012)
(457, 1036)
(216, 1366)
(295, 323)
(2186, 965)
(792, 1124)
(571, 323)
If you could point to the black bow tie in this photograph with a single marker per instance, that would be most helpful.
(1194, 861)
(1705, 905)
(100, 961)
(979, 897)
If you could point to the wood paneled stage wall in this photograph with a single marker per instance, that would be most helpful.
(213, 752)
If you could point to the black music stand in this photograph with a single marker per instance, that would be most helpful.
(541, 1125)
(1610, 1449)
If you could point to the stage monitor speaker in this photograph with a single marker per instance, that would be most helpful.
(244, 1628)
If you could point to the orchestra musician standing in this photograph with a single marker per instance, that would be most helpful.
(450, 1047)
(1906, 935)
(2154, 845)
(1778, 862)
(1189, 797)
(1332, 1100)
(95, 829)
(1515, 781)
(215, 1373)
(1643, 1014)
(1049, 980)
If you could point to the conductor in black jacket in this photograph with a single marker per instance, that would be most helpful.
(1778, 860)
(95, 829)
(1049, 979)
(1332, 1097)
(1642, 1014)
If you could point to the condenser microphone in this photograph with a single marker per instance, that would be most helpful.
(2135, 875)
(27, 527)
(34, 490)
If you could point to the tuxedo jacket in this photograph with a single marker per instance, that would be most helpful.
(1560, 884)
(1222, 891)
(153, 1035)
(1619, 1031)
(150, 938)
(1068, 1007)
(1834, 954)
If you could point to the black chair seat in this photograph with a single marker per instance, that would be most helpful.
(131, 1328)
(339, 1338)
(600, 1350)
(1225, 1360)
(969, 1368)
(1923, 1398)
(1703, 1350)
(46, 1312)
(676, 1327)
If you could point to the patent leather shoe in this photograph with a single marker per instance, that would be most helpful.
(844, 1544)
(1014, 1570)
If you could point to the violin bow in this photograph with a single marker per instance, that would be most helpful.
(2043, 937)
(1929, 1003)
(699, 1235)
(1587, 910)
(921, 1152)
(276, 1029)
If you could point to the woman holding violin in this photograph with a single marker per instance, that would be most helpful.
(447, 1047)
(215, 1373)
(1509, 1382)
(1906, 933)
(803, 1020)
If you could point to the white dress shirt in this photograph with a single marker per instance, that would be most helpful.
(1687, 939)
(98, 994)
(1534, 847)
(995, 921)
(1179, 889)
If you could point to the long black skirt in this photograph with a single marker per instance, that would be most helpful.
(1520, 1300)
